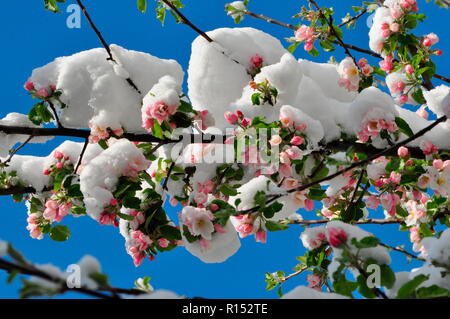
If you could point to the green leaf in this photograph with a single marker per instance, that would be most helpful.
(366, 242)
(132, 202)
(326, 45)
(60, 233)
(432, 292)
(387, 276)
(293, 47)
(275, 226)
(271, 210)
(170, 232)
(363, 289)
(418, 96)
(142, 5)
(407, 290)
(125, 216)
(40, 114)
(403, 126)
(317, 194)
(228, 190)
(314, 52)
(256, 99)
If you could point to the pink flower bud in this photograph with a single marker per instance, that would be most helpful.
(231, 118)
(42, 92)
(403, 99)
(29, 86)
(395, 27)
(336, 237)
(402, 151)
(246, 122)
(59, 165)
(261, 236)
(438, 52)
(58, 155)
(409, 69)
(297, 140)
(214, 207)
(113, 202)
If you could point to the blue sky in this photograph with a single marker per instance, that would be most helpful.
(32, 37)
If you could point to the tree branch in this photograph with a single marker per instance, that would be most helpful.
(103, 42)
(343, 45)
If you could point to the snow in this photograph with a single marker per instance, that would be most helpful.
(215, 80)
(376, 39)
(8, 141)
(51, 270)
(95, 88)
(438, 100)
(438, 135)
(158, 294)
(222, 246)
(303, 292)
(247, 192)
(99, 178)
(89, 265)
(30, 169)
(378, 253)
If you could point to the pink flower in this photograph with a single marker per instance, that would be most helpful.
(313, 280)
(160, 111)
(256, 61)
(29, 86)
(430, 39)
(244, 230)
(395, 27)
(58, 155)
(246, 122)
(261, 236)
(42, 92)
(373, 202)
(428, 147)
(286, 170)
(201, 198)
(304, 33)
(409, 69)
(389, 202)
(301, 127)
(294, 153)
(336, 237)
(403, 99)
(59, 165)
(164, 243)
(275, 140)
(297, 140)
(51, 204)
(309, 205)
(402, 151)
(387, 64)
(231, 117)
(422, 112)
(308, 46)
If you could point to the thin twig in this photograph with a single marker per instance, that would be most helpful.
(28, 140)
(356, 17)
(80, 159)
(298, 272)
(103, 42)
(186, 21)
(359, 222)
(169, 172)
(52, 106)
(333, 31)
(403, 251)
